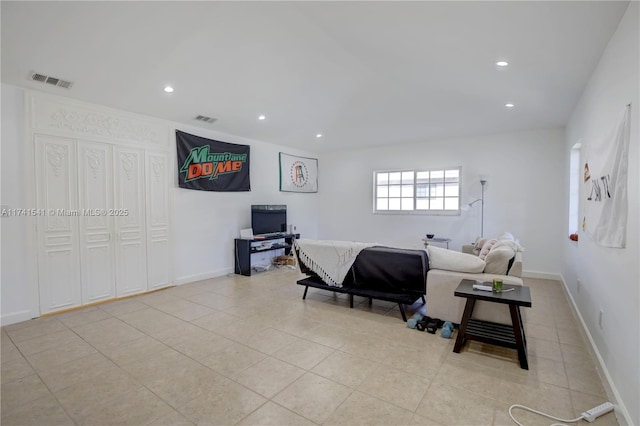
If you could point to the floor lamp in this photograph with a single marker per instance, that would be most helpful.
(481, 199)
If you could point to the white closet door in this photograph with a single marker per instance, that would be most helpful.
(131, 254)
(57, 227)
(158, 237)
(95, 190)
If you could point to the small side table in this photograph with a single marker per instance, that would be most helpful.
(436, 240)
(490, 332)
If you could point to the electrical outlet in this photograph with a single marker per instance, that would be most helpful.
(600, 319)
(578, 285)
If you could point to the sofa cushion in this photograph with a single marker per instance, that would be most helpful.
(497, 261)
(450, 260)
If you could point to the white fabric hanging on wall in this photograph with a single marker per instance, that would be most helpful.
(605, 187)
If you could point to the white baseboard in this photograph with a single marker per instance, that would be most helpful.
(205, 276)
(541, 275)
(15, 317)
(621, 409)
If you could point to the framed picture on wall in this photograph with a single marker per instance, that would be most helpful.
(298, 174)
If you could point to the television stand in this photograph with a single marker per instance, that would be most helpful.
(243, 250)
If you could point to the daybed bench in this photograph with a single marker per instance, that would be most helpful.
(383, 273)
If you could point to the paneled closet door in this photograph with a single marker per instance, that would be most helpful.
(57, 227)
(95, 189)
(129, 210)
(158, 220)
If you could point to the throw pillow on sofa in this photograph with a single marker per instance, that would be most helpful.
(486, 248)
(450, 260)
(497, 261)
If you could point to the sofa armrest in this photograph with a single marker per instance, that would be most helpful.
(468, 248)
(516, 267)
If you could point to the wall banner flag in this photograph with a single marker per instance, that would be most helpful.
(604, 192)
(298, 174)
(209, 165)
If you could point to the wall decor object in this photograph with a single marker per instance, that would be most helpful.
(298, 174)
(210, 165)
(605, 199)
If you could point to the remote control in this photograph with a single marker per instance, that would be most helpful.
(482, 287)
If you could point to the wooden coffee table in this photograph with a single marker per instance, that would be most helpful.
(510, 336)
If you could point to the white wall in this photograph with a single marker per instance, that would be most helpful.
(523, 194)
(205, 223)
(610, 278)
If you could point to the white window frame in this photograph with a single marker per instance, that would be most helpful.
(414, 198)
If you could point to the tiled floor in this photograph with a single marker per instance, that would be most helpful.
(239, 350)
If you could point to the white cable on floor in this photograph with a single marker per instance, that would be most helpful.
(577, 419)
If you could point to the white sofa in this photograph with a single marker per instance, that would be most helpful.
(441, 285)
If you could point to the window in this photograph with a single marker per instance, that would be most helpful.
(417, 191)
(574, 187)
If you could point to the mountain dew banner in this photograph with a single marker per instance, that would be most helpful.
(208, 165)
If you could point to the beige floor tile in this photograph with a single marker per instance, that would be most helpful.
(544, 349)
(9, 352)
(585, 379)
(34, 328)
(156, 365)
(571, 336)
(269, 376)
(372, 348)
(313, 397)
(83, 316)
(272, 414)
(397, 387)
(455, 406)
(107, 333)
(60, 355)
(214, 301)
(241, 331)
(201, 348)
(547, 371)
(542, 332)
(269, 340)
(346, 369)
(304, 353)
(233, 359)
(21, 391)
(329, 335)
(156, 298)
(424, 362)
(226, 404)
(185, 310)
(61, 376)
(81, 399)
(43, 411)
(151, 321)
(14, 370)
(134, 350)
(417, 420)
(42, 343)
(296, 324)
(216, 321)
(137, 407)
(576, 355)
(361, 409)
(122, 307)
(172, 419)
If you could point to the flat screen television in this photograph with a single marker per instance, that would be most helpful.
(268, 218)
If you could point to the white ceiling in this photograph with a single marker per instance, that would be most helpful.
(360, 73)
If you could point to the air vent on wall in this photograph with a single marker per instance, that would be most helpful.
(51, 80)
(206, 119)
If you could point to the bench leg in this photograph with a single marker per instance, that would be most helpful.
(423, 301)
(304, 296)
(404, 315)
(370, 301)
(351, 300)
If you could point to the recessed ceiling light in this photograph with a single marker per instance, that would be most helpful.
(319, 135)
(509, 105)
(502, 63)
(168, 89)
(262, 117)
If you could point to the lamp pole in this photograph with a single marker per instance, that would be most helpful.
(482, 182)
